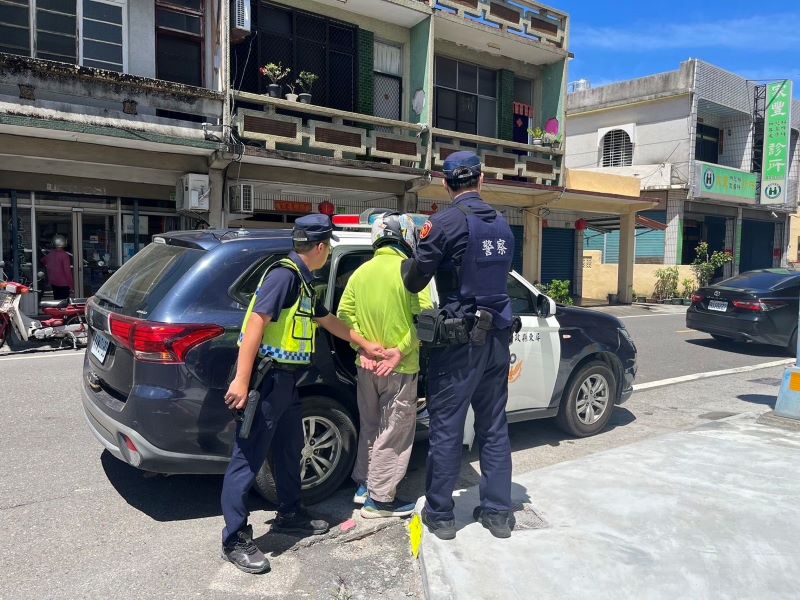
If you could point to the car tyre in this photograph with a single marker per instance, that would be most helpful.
(791, 347)
(588, 385)
(326, 414)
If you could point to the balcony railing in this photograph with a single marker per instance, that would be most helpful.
(336, 133)
(53, 87)
(517, 17)
(502, 159)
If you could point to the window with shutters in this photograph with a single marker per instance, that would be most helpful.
(388, 80)
(84, 32)
(617, 149)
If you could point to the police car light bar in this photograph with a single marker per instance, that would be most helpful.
(367, 218)
(346, 220)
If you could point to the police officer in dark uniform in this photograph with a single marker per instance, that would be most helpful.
(280, 323)
(468, 248)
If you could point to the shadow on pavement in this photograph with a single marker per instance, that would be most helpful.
(525, 435)
(186, 497)
(172, 498)
(763, 399)
(748, 348)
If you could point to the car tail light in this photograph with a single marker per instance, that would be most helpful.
(758, 305)
(160, 342)
(697, 298)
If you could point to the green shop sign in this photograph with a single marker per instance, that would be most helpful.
(722, 183)
(777, 123)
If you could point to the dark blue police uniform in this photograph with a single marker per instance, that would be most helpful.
(468, 248)
(279, 421)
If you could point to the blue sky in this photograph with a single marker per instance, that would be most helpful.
(614, 41)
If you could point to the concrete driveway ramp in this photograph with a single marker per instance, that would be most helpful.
(712, 512)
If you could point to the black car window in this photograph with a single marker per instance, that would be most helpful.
(142, 282)
(766, 279)
(522, 299)
(246, 285)
(345, 268)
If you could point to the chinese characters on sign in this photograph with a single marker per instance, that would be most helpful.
(722, 183)
(775, 167)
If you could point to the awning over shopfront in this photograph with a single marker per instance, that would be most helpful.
(607, 224)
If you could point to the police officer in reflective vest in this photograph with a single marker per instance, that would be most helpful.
(468, 249)
(280, 323)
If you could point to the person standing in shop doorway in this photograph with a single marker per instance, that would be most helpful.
(58, 263)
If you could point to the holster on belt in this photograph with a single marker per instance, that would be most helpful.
(483, 323)
(429, 324)
(435, 328)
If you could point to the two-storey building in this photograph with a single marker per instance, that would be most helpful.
(104, 105)
(694, 137)
(401, 85)
(123, 118)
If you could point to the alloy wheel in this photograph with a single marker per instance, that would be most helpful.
(321, 452)
(593, 398)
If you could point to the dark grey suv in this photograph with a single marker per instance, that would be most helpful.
(162, 343)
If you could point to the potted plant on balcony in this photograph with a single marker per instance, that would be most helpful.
(555, 142)
(276, 73)
(536, 136)
(291, 96)
(306, 81)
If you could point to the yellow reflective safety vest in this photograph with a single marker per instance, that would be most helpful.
(290, 339)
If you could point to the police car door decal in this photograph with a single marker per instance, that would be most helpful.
(535, 357)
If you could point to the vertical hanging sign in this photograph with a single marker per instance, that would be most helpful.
(776, 142)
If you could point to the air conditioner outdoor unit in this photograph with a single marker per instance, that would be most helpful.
(191, 193)
(240, 198)
(240, 20)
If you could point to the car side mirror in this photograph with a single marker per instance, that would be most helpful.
(543, 306)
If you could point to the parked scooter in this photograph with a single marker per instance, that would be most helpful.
(67, 317)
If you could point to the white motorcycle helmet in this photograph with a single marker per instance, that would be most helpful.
(59, 241)
(394, 228)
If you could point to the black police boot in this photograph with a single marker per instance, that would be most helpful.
(244, 553)
(299, 523)
(497, 522)
(444, 530)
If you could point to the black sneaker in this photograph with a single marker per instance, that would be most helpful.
(444, 530)
(245, 554)
(497, 522)
(300, 523)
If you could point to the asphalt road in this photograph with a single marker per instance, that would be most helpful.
(666, 348)
(78, 523)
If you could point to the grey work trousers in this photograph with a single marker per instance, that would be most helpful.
(387, 408)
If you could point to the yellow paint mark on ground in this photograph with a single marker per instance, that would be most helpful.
(685, 331)
(415, 533)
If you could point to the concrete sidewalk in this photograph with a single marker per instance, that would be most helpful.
(712, 512)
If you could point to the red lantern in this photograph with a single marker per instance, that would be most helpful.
(581, 225)
(327, 208)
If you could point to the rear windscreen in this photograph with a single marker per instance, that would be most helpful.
(144, 280)
(760, 280)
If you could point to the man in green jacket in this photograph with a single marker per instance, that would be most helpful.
(376, 304)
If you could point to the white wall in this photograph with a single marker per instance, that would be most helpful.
(142, 38)
(661, 134)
